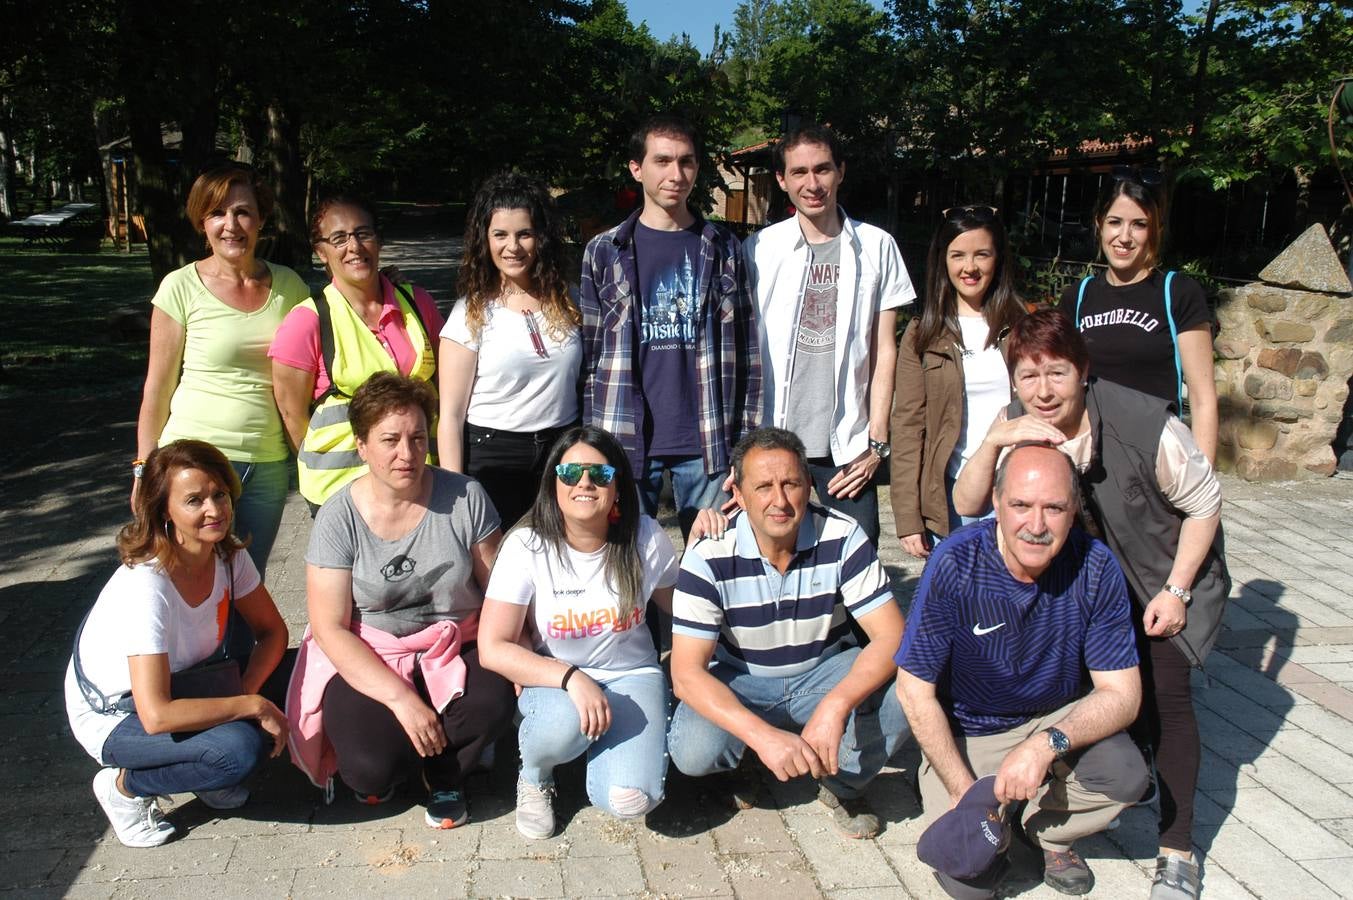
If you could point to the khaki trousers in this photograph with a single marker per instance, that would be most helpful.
(1083, 795)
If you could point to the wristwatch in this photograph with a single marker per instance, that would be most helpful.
(138, 467)
(1058, 742)
(1185, 596)
(882, 449)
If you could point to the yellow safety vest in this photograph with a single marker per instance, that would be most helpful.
(328, 456)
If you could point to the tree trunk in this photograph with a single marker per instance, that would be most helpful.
(1198, 117)
(283, 158)
(154, 197)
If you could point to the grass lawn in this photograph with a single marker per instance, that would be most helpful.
(59, 337)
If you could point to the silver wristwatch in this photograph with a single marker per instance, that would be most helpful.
(882, 449)
(1186, 597)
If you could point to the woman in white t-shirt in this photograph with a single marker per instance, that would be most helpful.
(511, 351)
(576, 577)
(164, 611)
(951, 377)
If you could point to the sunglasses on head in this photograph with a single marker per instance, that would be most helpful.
(981, 211)
(572, 473)
(1145, 177)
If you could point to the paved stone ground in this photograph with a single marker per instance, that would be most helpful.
(1275, 806)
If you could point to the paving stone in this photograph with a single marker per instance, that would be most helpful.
(839, 862)
(597, 877)
(917, 878)
(296, 851)
(1333, 698)
(110, 861)
(450, 880)
(28, 868)
(754, 831)
(1260, 867)
(875, 893)
(205, 887)
(593, 833)
(683, 867)
(1285, 827)
(1321, 758)
(769, 876)
(1337, 874)
(517, 878)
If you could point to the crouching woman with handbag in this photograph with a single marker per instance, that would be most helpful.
(150, 692)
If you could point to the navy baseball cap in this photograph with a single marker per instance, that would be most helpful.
(967, 840)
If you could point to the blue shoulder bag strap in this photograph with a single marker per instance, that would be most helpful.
(1174, 341)
(1080, 298)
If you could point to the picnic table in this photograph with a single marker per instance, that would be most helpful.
(54, 227)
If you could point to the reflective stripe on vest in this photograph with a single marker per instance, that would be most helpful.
(328, 457)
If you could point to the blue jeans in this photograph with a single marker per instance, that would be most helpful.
(219, 757)
(873, 732)
(692, 488)
(863, 508)
(631, 754)
(258, 513)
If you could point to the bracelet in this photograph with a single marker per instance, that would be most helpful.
(138, 466)
(563, 685)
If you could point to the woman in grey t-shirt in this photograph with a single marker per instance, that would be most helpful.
(394, 581)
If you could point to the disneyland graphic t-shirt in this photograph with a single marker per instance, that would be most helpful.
(668, 310)
(812, 385)
(574, 612)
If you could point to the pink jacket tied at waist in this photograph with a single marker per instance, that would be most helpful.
(443, 674)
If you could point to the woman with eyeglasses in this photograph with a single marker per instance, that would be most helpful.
(208, 376)
(1146, 329)
(511, 351)
(389, 685)
(322, 354)
(952, 379)
(564, 618)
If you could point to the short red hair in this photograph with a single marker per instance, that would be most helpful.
(1047, 333)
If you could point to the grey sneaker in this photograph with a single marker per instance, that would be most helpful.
(1175, 879)
(137, 821)
(535, 810)
(226, 798)
(854, 817)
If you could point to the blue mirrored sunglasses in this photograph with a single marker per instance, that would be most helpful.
(572, 473)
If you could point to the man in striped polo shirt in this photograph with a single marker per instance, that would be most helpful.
(769, 604)
(1019, 661)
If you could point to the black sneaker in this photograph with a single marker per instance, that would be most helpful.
(446, 809)
(1067, 872)
(854, 817)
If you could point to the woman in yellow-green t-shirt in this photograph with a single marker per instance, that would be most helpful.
(209, 377)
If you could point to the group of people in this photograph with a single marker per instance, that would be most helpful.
(485, 549)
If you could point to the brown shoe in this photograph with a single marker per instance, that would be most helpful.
(1067, 872)
(854, 817)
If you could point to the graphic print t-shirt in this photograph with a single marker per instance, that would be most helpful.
(669, 307)
(812, 386)
(1127, 333)
(574, 612)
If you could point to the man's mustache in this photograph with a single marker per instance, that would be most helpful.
(1042, 539)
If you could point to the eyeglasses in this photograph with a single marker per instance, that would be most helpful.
(572, 473)
(339, 239)
(981, 212)
(1145, 177)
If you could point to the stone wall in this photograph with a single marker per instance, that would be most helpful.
(1284, 357)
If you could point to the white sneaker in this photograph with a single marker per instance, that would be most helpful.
(232, 797)
(535, 810)
(137, 821)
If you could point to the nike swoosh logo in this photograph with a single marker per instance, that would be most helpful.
(979, 630)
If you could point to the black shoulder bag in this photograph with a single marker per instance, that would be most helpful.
(216, 676)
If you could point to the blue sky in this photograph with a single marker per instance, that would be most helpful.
(698, 17)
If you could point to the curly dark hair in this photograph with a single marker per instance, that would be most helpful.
(480, 283)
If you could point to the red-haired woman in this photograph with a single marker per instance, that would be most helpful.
(208, 376)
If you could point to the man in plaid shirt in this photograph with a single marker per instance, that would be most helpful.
(671, 365)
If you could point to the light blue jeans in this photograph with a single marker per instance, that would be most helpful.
(630, 756)
(692, 488)
(873, 732)
(258, 513)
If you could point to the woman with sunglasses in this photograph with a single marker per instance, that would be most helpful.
(388, 679)
(564, 618)
(1146, 329)
(371, 325)
(952, 379)
(511, 350)
(208, 376)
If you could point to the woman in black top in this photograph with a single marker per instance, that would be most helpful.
(1125, 319)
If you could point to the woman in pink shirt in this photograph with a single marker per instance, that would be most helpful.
(375, 326)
